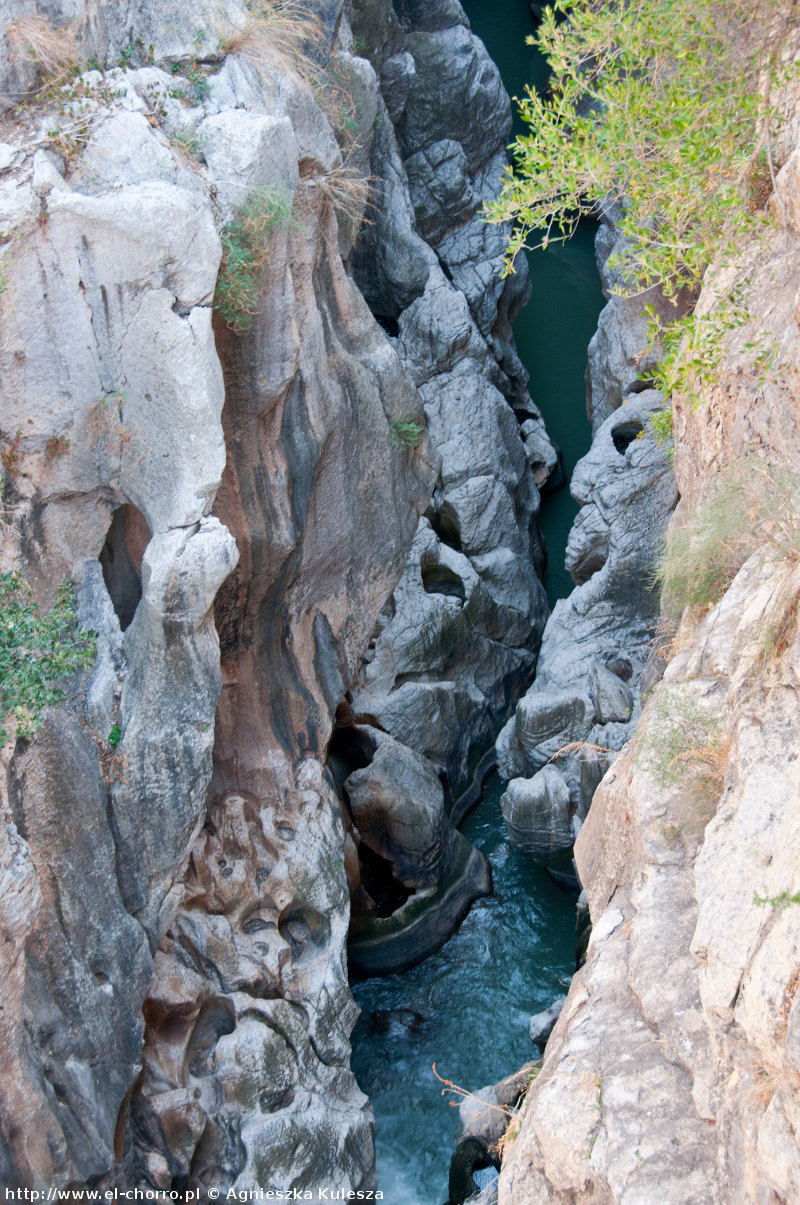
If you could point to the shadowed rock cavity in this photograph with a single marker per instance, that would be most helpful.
(121, 559)
(415, 875)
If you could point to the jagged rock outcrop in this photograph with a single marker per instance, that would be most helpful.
(598, 640)
(687, 1008)
(458, 640)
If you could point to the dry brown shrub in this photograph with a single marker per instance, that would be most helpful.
(36, 40)
(349, 193)
(277, 35)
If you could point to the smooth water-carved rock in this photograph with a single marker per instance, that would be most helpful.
(537, 812)
(441, 677)
(418, 874)
(544, 723)
(111, 377)
(612, 698)
(597, 640)
(543, 1023)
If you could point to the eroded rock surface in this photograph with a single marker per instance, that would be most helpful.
(417, 874)
(458, 640)
(583, 704)
(177, 1006)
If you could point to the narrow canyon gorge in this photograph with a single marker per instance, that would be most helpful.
(329, 733)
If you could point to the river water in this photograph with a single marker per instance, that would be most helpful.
(554, 329)
(511, 957)
(514, 953)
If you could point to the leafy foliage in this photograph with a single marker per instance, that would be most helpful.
(658, 105)
(783, 900)
(245, 251)
(406, 433)
(663, 108)
(37, 651)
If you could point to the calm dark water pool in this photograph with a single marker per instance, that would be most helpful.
(554, 329)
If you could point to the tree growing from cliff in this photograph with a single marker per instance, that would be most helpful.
(663, 108)
(38, 649)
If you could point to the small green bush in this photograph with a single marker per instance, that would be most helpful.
(407, 433)
(783, 900)
(682, 739)
(37, 650)
(750, 504)
(246, 249)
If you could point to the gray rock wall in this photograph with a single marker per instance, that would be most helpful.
(458, 641)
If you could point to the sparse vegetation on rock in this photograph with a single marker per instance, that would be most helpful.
(245, 251)
(38, 649)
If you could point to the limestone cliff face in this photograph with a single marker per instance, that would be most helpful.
(673, 1071)
(235, 509)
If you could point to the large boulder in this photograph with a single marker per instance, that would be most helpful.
(419, 875)
(537, 812)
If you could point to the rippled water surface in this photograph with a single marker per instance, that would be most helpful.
(509, 959)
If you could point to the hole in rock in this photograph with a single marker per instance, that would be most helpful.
(121, 560)
(445, 523)
(624, 435)
(216, 1018)
(471, 1155)
(272, 1099)
(349, 749)
(256, 924)
(378, 880)
(304, 931)
(588, 565)
(438, 579)
(103, 981)
(389, 324)
(640, 386)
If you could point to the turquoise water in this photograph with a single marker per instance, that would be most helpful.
(511, 957)
(554, 329)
